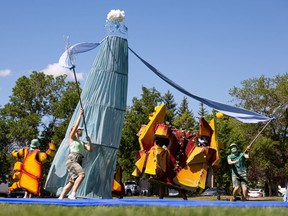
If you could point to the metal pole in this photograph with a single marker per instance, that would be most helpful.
(258, 135)
(78, 90)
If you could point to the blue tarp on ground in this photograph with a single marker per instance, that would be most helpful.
(141, 202)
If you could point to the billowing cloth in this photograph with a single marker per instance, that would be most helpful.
(65, 59)
(240, 114)
(104, 99)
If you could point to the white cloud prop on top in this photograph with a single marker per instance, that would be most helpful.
(57, 70)
(116, 16)
(5, 73)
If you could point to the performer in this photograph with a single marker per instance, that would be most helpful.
(118, 188)
(28, 170)
(76, 173)
(239, 173)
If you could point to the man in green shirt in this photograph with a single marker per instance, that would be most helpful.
(239, 173)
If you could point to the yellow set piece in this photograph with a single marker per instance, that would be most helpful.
(146, 138)
(156, 161)
(161, 145)
(140, 164)
(192, 176)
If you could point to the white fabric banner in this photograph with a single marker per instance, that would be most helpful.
(65, 59)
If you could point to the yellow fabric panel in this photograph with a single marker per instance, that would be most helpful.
(197, 156)
(214, 143)
(30, 183)
(16, 176)
(140, 164)
(146, 138)
(17, 166)
(21, 153)
(14, 186)
(162, 159)
(116, 186)
(32, 166)
(15, 153)
(151, 163)
(42, 157)
(156, 157)
(52, 146)
(192, 176)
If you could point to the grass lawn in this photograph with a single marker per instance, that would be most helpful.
(35, 210)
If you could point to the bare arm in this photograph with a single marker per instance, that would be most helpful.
(75, 126)
(88, 146)
(230, 162)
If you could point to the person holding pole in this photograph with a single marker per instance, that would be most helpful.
(237, 161)
(76, 173)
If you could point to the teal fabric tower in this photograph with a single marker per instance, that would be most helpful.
(104, 99)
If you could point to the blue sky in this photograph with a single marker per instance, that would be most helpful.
(207, 47)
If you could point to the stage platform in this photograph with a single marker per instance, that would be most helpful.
(141, 202)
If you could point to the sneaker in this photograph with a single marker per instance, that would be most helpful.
(72, 196)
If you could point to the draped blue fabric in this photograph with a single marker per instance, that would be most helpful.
(240, 114)
(104, 98)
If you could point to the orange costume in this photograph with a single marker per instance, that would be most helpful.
(28, 173)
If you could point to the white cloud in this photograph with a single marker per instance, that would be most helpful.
(5, 73)
(57, 70)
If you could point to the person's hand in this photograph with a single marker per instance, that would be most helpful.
(248, 149)
(88, 139)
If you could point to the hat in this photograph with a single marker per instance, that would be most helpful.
(80, 128)
(34, 143)
(233, 144)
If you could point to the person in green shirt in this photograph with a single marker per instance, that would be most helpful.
(76, 173)
(237, 161)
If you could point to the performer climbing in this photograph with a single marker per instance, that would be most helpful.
(28, 170)
(76, 173)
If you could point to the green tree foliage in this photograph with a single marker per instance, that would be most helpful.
(185, 118)
(136, 115)
(183, 106)
(266, 95)
(40, 107)
(202, 110)
(170, 105)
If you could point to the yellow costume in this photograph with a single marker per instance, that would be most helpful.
(28, 173)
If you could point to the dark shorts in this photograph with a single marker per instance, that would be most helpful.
(74, 166)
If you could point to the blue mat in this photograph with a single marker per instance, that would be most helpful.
(141, 202)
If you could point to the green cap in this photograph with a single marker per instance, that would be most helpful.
(34, 143)
(233, 144)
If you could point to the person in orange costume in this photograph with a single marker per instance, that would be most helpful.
(28, 172)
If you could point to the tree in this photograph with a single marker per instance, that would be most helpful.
(202, 110)
(183, 106)
(40, 107)
(184, 118)
(136, 115)
(170, 105)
